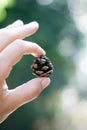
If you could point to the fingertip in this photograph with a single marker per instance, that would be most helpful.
(17, 23)
(36, 50)
(45, 82)
(35, 23)
(41, 53)
(20, 22)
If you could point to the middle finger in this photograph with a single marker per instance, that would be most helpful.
(8, 35)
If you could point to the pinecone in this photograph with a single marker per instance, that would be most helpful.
(42, 67)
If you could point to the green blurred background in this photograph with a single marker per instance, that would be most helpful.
(63, 35)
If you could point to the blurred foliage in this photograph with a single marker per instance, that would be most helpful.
(61, 39)
(3, 5)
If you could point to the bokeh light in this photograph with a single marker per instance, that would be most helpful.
(44, 2)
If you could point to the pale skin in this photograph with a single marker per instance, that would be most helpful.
(12, 49)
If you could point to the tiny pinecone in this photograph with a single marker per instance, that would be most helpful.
(42, 67)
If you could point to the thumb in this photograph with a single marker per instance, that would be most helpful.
(31, 89)
(27, 92)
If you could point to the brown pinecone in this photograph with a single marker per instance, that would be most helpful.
(42, 67)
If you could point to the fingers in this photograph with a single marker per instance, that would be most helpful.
(15, 24)
(13, 33)
(24, 94)
(14, 52)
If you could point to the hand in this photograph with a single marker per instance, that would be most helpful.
(12, 48)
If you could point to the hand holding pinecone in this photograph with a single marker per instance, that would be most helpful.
(42, 67)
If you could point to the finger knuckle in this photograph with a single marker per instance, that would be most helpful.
(1, 66)
(35, 93)
(1, 62)
(18, 44)
(38, 91)
(6, 33)
(4, 68)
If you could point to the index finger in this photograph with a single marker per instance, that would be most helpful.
(14, 52)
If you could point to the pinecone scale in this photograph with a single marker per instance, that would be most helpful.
(42, 66)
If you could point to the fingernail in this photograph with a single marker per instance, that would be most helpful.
(35, 24)
(45, 82)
